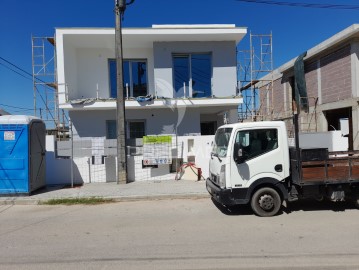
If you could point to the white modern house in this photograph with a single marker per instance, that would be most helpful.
(180, 80)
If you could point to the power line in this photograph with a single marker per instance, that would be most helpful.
(7, 61)
(27, 73)
(14, 107)
(304, 5)
(13, 70)
(19, 68)
(21, 109)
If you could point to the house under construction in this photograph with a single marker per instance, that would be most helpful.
(331, 72)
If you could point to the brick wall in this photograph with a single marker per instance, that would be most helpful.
(311, 78)
(278, 99)
(336, 75)
(263, 109)
(281, 105)
(335, 69)
(270, 106)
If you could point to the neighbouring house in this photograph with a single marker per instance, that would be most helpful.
(331, 72)
(2, 112)
(180, 81)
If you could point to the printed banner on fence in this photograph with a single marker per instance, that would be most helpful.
(157, 150)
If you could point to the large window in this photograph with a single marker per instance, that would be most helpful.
(134, 75)
(255, 142)
(192, 70)
(135, 129)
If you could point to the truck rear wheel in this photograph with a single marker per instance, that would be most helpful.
(266, 202)
(356, 201)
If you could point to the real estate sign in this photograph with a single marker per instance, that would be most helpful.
(157, 150)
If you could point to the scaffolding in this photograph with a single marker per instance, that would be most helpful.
(256, 68)
(44, 77)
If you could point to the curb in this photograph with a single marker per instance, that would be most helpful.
(160, 197)
(29, 201)
(21, 201)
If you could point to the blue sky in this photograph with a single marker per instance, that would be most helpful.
(294, 29)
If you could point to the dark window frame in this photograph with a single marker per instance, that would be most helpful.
(189, 56)
(128, 128)
(130, 61)
(108, 123)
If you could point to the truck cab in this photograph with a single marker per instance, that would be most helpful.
(250, 164)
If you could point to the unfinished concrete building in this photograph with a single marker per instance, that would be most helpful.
(331, 72)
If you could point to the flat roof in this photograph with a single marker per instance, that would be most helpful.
(145, 37)
(187, 26)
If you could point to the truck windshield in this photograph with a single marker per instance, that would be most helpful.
(221, 141)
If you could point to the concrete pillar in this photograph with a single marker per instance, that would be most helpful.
(322, 123)
(355, 90)
(355, 67)
(355, 123)
(285, 107)
(232, 116)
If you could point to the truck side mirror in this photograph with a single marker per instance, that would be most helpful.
(238, 154)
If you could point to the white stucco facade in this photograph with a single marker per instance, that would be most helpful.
(84, 83)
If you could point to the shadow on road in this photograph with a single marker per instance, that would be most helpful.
(51, 188)
(235, 210)
(302, 205)
(313, 205)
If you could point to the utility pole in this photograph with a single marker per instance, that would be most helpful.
(120, 7)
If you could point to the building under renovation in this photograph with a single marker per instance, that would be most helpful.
(330, 75)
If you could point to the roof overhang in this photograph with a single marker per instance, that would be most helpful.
(145, 37)
(158, 104)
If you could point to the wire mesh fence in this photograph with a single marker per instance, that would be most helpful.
(95, 159)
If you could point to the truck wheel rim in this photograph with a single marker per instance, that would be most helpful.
(266, 202)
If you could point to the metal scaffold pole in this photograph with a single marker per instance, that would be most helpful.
(45, 85)
(257, 103)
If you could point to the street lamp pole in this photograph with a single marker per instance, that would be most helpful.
(120, 7)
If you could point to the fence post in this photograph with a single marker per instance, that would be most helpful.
(72, 154)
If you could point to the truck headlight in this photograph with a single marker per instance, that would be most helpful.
(222, 177)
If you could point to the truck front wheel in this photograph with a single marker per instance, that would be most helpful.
(266, 202)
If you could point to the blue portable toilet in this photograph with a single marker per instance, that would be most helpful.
(22, 154)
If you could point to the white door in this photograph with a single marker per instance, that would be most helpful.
(261, 155)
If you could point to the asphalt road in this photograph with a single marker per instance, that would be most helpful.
(177, 234)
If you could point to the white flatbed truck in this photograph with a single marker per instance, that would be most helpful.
(252, 163)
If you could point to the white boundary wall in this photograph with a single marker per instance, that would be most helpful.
(58, 170)
(333, 140)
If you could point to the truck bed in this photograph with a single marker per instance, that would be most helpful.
(338, 167)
